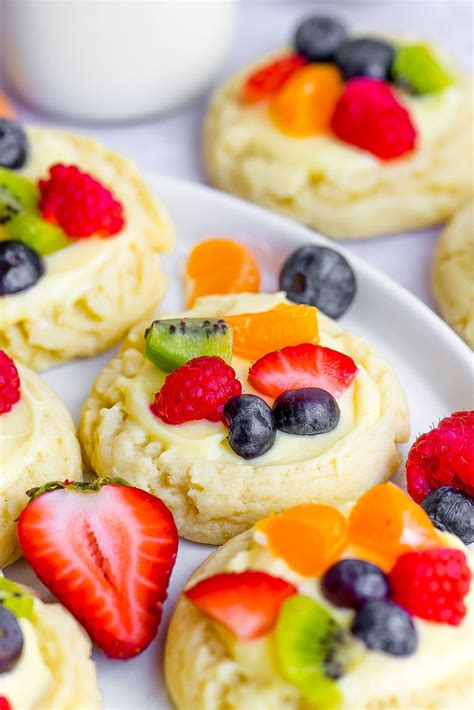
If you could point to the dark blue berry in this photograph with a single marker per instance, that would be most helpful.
(365, 57)
(353, 583)
(306, 411)
(319, 276)
(385, 626)
(317, 38)
(11, 640)
(252, 430)
(451, 510)
(20, 267)
(13, 144)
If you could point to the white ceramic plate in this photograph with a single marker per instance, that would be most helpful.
(434, 365)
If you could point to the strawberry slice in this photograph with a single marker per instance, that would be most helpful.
(304, 365)
(266, 81)
(247, 603)
(106, 551)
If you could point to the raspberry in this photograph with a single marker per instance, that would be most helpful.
(4, 703)
(443, 456)
(432, 584)
(197, 390)
(79, 203)
(9, 383)
(369, 116)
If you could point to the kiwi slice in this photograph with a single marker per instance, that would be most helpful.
(17, 194)
(171, 343)
(311, 650)
(38, 234)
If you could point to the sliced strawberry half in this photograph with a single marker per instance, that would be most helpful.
(304, 365)
(106, 551)
(247, 603)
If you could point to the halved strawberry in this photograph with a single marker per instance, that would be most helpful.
(106, 551)
(304, 365)
(266, 80)
(247, 603)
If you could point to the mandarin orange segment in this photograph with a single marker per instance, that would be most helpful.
(386, 520)
(256, 334)
(308, 537)
(305, 103)
(6, 107)
(220, 266)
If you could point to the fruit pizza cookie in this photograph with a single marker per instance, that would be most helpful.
(44, 655)
(247, 403)
(453, 273)
(366, 606)
(354, 135)
(80, 238)
(37, 440)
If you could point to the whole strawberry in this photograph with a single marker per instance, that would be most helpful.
(443, 456)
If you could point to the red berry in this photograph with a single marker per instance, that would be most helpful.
(304, 365)
(369, 115)
(79, 203)
(106, 552)
(432, 584)
(197, 390)
(266, 81)
(443, 456)
(9, 383)
(4, 703)
(248, 603)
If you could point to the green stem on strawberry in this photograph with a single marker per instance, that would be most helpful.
(82, 486)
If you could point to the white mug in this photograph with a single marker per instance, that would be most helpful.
(113, 60)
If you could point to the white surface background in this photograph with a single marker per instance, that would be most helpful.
(170, 145)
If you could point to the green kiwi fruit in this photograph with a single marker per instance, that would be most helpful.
(17, 194)
(38, 234)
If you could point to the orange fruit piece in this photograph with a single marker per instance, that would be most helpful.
(256, 334)
(305, 103)
(6, 107)
(220, 266)
(387, 521)
(309, 537)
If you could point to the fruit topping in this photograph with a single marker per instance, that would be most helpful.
(365, 56)
(310, 648)
(106, 551)
(386, 520)
(443, 456)
(321, 277)
(266, 80)
(220, 266)
(247, 603)
(256, 334)
(303, 106)
(309, 537)
(4, 703)
(318, 37)
(79, 203)
(11, 640)
(353, 583)
(432, 584)
(416, 67)
(172, 343)
(306, 411)
(20, 267)
(197, 390)
(385, 626)
(17, 193)
(6, 108)
(451, 510)
(369, 116)
(13, 144)
(16, 599)
(305, 365)
(41, 236)
(9, 384)
(252, 429)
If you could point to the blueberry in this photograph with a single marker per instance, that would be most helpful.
(365, 57)
(20, 267)
(319, 276)
(13, 144)
(11, 640)
(252, 430)
(385, 626)
(451, 510)
(306, 411)
(353, 583)
(317, 38)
